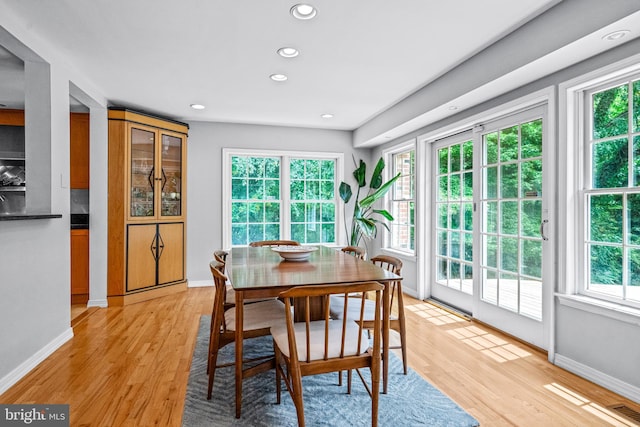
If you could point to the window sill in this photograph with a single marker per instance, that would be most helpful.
(400, 254)
(602, 308)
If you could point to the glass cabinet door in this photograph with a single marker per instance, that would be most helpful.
(171, 176)
(142, 173)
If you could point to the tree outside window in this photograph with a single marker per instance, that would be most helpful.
(402, 202)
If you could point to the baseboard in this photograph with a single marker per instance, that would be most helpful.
(200, 283)
(97, 303)
(25, 367)
(611, 383)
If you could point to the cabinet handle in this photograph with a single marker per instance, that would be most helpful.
(149, 178)
(161, 246)
(164, 179)
(154, 247)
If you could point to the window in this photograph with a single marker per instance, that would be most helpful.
(612, 191)
(402, 201)
(289, 196)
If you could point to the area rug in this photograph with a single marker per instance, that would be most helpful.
(411, 401)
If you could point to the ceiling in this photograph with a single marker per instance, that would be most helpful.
(357, 57)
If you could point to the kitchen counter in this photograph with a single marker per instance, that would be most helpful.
(23, 216)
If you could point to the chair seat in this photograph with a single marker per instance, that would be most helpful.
(258, 315)
(317, 336)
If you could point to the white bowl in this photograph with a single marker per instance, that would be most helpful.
(294, 253)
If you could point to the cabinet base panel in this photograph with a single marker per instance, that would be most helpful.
(120, 300)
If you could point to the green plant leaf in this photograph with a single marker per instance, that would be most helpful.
(376, 195)
(345, 192)
(376, 177)
(384, 213)
(360, 174)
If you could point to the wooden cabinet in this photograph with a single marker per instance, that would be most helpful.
(79, 266)
(79, 151)
(147, 217)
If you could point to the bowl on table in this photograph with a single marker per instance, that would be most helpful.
(294, 253)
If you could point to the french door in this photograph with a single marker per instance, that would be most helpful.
(491, 231)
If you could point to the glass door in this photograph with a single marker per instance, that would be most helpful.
(171, 175)
(453, 230)
(142, 174)
(514, 250)
(490, 234)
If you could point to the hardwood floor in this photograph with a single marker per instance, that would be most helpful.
(128, 366)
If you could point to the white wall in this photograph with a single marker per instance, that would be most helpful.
(35, 263)
(204, 175)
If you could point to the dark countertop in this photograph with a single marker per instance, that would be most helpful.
(22, 216)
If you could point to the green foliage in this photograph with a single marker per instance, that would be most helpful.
(365, 219)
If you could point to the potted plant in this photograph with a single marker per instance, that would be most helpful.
(365, 219)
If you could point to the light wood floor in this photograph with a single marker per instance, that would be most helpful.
(128, 366)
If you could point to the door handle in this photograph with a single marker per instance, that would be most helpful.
(544, 221)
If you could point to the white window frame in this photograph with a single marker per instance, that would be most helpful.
(389, 173)
(571, 262)
(285, 185)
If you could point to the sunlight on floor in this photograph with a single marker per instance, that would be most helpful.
(489, 344)
(601, 412)
(434, 314)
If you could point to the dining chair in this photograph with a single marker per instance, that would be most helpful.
(356, 251)
(312, 347)
(261, 243)
(396, 306)
(258, 317)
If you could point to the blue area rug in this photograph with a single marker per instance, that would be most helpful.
(411, 400)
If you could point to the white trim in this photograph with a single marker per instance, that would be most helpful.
(200, 283)
(622, 388)
(622, 313)
(25, 367)
(102, 303)
(408, 256)
(422, 214)
(541, 96)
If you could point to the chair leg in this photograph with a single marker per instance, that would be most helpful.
(296, 395)
(278, 379)
(340, 378)
(213, 359)
(403, 343)
(349, 377)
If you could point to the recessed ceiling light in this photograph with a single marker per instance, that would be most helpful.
(288, 52)
(327, 116)
(278, 77)
(197, 106)
(303, 11)
(616, 35)
(453, 107)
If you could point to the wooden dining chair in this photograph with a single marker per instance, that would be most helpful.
(258, 318)
(396, 307)
(312, 347)
(261, 243)
(356, 251)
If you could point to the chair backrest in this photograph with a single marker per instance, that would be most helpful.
(393, 265)
(331, 345)
(274, 243)
(221, 256)
(356, 251)
(220, 283)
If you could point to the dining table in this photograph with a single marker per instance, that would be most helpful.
(260, 272)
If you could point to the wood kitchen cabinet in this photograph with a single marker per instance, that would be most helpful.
(147, 217)
(79, 266)
(79, 151)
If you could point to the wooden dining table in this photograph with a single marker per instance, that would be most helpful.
(261, 272)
